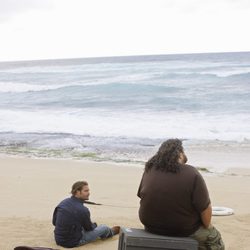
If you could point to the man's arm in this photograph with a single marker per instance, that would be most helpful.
(201, 200)
(140, 187)
(206, 216)
(86, 221)
(54, 217)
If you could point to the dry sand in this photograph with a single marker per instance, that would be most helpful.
(31, 188)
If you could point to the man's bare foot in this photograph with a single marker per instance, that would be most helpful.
(115, 229)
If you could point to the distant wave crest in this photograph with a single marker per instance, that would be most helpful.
(147, 82)
(11, 87)
(7, 87)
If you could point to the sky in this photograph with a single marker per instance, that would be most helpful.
(50, 29)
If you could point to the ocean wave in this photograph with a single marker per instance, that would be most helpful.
(126, 124)
(11, 87)
(243, 76)
(191, 98)
(76, 87)
(17, 87)
(151, 81)
(211, 73)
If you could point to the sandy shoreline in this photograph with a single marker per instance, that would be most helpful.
(31, 188)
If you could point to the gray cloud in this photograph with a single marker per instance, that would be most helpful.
(239, 4)
(197, 4)
(9, 8)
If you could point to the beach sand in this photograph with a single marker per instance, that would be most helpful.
(31, 188)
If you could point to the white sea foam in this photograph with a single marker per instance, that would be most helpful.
(137, 124)
(19, 87)
(230, 71)
(7, 87)
(12, 87)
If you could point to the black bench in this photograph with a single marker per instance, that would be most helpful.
(139, 239)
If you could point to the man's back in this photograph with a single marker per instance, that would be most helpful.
(69, 218)
(171, 203)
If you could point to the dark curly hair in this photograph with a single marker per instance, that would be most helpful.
(166, 159)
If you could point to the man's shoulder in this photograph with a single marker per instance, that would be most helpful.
(72, 203)
(190, 169)
(68, 202)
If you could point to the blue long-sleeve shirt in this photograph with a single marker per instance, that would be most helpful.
(69, 218)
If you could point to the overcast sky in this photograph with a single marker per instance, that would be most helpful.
(41, 29)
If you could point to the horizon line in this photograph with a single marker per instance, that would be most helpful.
(120, 56)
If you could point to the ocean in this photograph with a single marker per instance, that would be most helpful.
(121, 108)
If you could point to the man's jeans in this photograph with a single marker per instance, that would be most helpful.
(101, 231)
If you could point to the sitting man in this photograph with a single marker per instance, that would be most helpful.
(73, 226)
(175, 199)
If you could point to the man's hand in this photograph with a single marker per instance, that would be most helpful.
(94, 225)
(206, 216)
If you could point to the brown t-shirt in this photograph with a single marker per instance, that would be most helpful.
(171, 203)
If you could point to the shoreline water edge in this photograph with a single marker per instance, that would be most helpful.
(220, 158)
